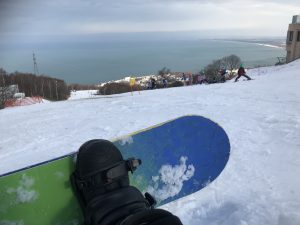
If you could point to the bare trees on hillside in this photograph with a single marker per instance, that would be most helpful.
(32, 85)
(3, 88)
(212, 71)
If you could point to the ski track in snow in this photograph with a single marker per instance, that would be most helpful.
(260, 183)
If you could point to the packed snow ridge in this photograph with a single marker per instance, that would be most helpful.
(260, 183)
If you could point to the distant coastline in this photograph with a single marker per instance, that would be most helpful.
(267, 42)
(97, 62)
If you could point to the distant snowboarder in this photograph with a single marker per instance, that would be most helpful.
(153, 83)
(242, 72)
(184, 78)
(165, 82)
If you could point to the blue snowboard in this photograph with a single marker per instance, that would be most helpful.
(179, 157)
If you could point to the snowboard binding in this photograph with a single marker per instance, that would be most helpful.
(101, 184)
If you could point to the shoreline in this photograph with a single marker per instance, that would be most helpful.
(272, 43)
(113, 62)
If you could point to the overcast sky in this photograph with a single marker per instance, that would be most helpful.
(76, 17)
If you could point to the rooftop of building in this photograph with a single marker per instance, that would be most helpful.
(296, 19)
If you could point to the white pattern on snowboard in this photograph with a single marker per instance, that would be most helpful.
(23, 192)
(170, 180)
(126, 140)
(9, 222)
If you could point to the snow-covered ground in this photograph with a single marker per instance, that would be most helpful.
(260, 184)
(82, 94)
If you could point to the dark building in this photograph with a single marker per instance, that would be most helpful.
(293, 40)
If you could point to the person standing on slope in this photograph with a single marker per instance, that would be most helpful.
(165, 82)
(242, 72)
(153, 83)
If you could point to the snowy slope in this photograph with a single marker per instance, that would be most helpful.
(260, 183)
(82, 94)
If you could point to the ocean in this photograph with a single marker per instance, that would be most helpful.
(95, 62)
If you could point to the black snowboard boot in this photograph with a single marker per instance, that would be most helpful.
(101, 184)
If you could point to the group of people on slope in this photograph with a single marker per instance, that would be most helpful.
(188, 79)
(152, 83)
(222, 73)
(241, 72)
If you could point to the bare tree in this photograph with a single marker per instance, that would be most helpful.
(232, 62)
(3, 88)
(164, 71)
(32, 85)
(212, 71)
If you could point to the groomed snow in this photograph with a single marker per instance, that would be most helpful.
(260, 184)
(82, 94)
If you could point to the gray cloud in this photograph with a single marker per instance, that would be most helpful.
(76, 16)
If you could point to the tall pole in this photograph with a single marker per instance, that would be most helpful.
(56, 90)
(36, 72)
(35, 67)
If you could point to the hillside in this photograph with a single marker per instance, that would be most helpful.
(261, 117)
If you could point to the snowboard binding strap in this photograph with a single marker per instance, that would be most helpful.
(101, 184)
(109, 175)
